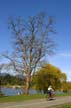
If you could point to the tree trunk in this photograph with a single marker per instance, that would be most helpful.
(0, 86)
(28, 79)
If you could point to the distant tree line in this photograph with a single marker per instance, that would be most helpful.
(8, 79)
(45, 76)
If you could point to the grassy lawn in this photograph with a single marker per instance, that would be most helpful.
(64, 94)
(24, 97)
(20, 98)
(68, 105)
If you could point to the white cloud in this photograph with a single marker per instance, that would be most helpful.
(66, 54)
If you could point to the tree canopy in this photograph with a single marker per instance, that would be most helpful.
(49, 75)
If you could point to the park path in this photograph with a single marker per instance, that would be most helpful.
(38, 103)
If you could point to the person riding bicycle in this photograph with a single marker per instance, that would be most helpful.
(50, 91)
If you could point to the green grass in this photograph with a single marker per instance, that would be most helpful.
(24, 97)
(64, 94)
(68, 105)
(20, 98)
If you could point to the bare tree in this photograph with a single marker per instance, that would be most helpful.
(31, 40)
(1, 67)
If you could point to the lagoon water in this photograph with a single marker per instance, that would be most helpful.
(11, 91)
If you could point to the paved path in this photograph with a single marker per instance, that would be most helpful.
(39, 103)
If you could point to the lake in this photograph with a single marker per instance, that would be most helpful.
(11, 91)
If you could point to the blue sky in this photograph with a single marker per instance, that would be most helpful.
(59, 9)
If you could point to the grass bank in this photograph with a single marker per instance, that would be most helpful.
(24, 97)
(68, 105)
(20, 98)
